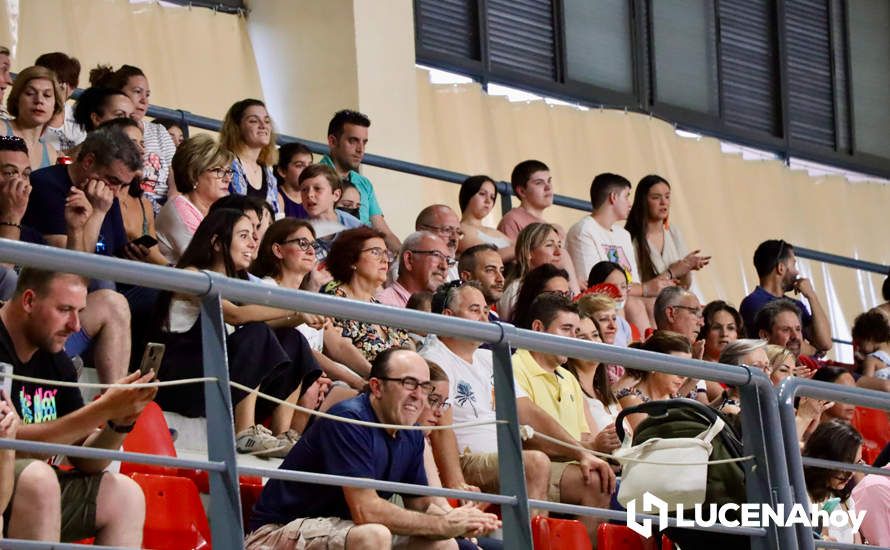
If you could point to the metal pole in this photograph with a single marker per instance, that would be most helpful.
(759, 411)
(517, 528)
(785, 401)
(225, 502)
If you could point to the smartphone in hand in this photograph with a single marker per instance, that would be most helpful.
(151, 358)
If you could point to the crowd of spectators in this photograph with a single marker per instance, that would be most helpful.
(99, 178)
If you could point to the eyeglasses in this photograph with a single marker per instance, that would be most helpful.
(438, 255)
(410, 383)
(221, 173)
(303, 243)
(567, 294)
(782, 245)
(438, 403)
(697, 311)
(380, 253)
(445, 230)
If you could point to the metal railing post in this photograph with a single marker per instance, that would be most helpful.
(505, 192)
(517, 528)
(766, 479)
(225, 502)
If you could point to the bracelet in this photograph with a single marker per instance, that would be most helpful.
(11, 224)
(121, 429)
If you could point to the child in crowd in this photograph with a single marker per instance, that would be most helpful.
(872, 336)
(293, 158)
(320, 189)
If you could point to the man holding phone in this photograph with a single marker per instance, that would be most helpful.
(34, 327)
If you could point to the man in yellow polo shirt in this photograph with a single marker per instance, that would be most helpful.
(575, 477)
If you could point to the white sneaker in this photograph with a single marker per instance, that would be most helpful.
(287, 440)
(258, 441)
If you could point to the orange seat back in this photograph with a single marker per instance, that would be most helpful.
(174, 516)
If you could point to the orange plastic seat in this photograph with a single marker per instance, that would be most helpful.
(873, 424)
(151, 435)
(619, 537)
(558, 534)
(174, 516)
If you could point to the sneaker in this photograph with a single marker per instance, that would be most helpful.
(258, 441)
(288, 439)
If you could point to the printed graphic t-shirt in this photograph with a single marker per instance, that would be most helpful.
(37, 403)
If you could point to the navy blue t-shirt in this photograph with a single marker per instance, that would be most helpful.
(755, 301)
(331, 447)
(46, 209)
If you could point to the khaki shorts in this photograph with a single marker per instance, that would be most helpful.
(556, 471)
(481, 470)
(79, 492)
(301, 534)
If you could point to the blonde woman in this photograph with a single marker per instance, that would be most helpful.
(202, 172)
(537, 244)
(34, 99)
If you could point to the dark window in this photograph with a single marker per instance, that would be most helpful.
(227, 6)
(521, 38)
(598, 43)
(870, 75)
(684, 40)
(749, 65)
(810, 78)
(449, 27)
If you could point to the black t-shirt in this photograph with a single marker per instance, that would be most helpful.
(46, 209)
(37, 403)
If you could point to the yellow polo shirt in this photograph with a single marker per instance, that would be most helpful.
(557, 393)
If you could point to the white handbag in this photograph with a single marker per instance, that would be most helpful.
(681, 475)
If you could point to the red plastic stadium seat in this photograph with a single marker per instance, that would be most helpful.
(151, 435)
(558, 534)
(174, 516)
(251, 487)
(873, 424)
(619, 537)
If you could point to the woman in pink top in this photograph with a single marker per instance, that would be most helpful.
(202, 172)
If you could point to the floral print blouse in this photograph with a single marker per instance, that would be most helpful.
(369, 338)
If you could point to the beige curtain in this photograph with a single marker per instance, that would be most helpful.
(194, 58)
(723, 204)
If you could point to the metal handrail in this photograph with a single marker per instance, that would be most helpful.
(765, 477)
(785, 397)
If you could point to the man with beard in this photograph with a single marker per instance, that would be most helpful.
(776, 267)
(424, 262)
(482, 263)
(347, 139)
(302, 515)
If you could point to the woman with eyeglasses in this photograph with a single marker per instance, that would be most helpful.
(224, 243)
(202, 174)
(830, 489)
(359, 262)
(287, 258)
(248, 133)
(545, 278)
(477, 198)
(536, 245)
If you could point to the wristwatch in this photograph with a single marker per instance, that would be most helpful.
(121, 429)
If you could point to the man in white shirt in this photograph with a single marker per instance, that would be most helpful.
(468, 456)
(597, 237)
